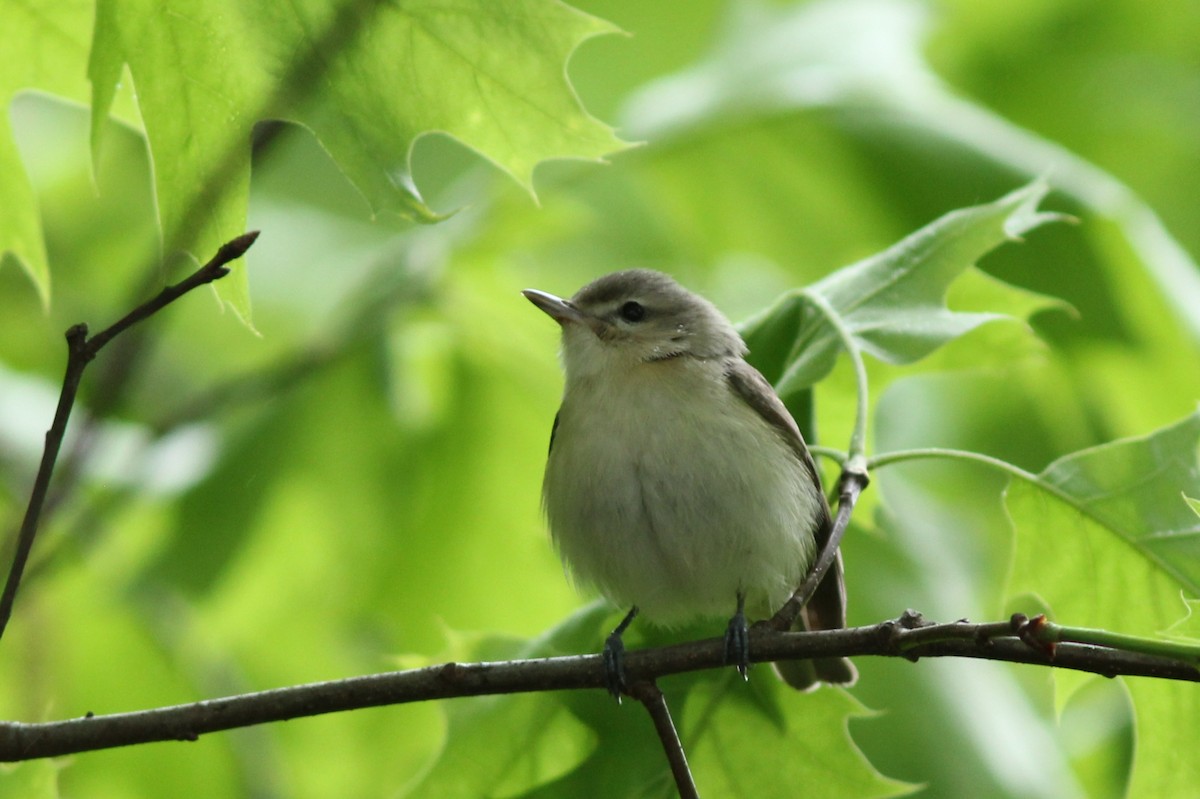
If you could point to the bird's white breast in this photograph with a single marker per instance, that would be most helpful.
(664, 489)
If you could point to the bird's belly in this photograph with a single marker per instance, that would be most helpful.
(677, 514)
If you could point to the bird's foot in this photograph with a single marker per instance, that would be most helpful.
(614, 657)
(737, 638)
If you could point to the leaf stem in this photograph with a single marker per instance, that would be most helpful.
(899, 456)
(835, 455)
(1050, 632)
(858, 438)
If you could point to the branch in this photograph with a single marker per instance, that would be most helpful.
(853, 480)
(649, 695)
(302, 77)
(362, 314)
(1019, 640)
(80, 351)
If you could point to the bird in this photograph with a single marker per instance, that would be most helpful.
(677, 483)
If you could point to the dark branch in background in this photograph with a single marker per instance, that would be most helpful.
(388, 286)
(1019, 640)
(80, 351)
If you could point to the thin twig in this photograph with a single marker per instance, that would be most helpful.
(303, 77)
(853, 480)
(80, 351)
(893, 638)
(384, 290)
(648, 694)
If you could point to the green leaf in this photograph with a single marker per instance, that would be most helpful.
(20, 227)
(42, 40)
(1134, 490)
(503, 745)
(506, 745)
(199, 92)
(207, 72)
(868, 60)
(893, 305)
(740, 750)
(1105, 539)
(492, 76)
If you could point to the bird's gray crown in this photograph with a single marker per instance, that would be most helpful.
(683, 322)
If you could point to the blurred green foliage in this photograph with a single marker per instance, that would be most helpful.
(355, 488)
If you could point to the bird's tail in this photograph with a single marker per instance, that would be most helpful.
(825, 611)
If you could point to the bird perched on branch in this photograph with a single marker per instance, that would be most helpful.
(677, 482)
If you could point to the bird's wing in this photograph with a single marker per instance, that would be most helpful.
(749, 384)
(827, 608)
(553, 430)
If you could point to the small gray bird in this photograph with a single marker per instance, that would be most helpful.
(677, 482)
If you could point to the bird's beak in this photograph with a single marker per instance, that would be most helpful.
(559, 309)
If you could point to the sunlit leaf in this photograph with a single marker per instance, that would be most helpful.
(207, 72)
(892, 305)
(507, 745)
(199, 92)
(490, 75)
(737, 746)
(503, 745)
(1105, 539)
(868, 57)
(42, 40)
(1134, 491)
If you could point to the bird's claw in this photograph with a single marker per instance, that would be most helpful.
(614, 665)
(737, 640)
(614, 657)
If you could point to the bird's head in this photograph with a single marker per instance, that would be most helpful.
(636, 316)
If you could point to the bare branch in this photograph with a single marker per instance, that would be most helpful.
(80, 352)
(853, 480)
(648, 694)
(908, 636)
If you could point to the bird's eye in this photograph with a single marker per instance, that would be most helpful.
(633, 311)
